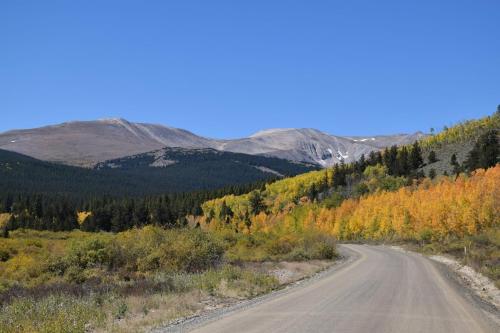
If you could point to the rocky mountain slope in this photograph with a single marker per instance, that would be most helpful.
(313, 146)
(86, 143)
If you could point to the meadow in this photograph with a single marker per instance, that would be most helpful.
(126, 282)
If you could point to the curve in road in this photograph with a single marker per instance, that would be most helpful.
(384, 290)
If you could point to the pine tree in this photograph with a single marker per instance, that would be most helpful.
(486, 152)
(432, 157)
(403, 164)
(372, 158)
(256, 202)
(453, 160)
(416, 159)
(225, 212)
(391, 159)
(361, 164)
(247, 220)
(338, 176)
(313, 193)
(454, 164)
(5, 232)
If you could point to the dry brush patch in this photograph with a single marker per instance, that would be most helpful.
(132, 280)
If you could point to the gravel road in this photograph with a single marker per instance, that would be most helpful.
(379, 290)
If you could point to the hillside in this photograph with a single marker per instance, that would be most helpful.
(86, 143)
(458, 139)
(348, 179)
(179, 160)
(372, 200)
(193, 170)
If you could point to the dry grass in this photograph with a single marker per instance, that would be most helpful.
(290, 271)
(144, 313)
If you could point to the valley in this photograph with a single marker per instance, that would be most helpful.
(249, 166)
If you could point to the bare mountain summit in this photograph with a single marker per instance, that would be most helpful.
(311, 145)
(85, 143)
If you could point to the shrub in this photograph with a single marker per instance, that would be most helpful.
(281, 246)
(186, 250)
(4, 255)
(235, 281)
(323, 250)
(121, 310)
(91, 252)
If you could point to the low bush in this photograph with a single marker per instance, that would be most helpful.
(235, 282)
(78, 281)
(305, 245)
(30, 258)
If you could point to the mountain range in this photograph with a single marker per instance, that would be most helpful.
(87, 143)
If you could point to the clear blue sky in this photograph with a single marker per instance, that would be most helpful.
(229, 68)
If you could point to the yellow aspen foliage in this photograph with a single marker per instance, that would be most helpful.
(448, 207)
(463, 131)
(430, 210)
(4, 218)
(81, 216)
(259, 223)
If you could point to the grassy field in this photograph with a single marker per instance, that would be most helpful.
(127, 282)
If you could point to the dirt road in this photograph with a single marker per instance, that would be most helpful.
(381, 290)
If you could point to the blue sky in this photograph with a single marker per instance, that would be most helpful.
(229, 68)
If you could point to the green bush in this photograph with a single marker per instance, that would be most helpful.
(323, 250)
(92, 252)
(185, 250)
(4, 255)
(120, 310)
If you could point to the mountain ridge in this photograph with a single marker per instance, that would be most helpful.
(87, 143)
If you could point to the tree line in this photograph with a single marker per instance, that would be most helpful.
(61, 213)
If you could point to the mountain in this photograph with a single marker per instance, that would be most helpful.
(163, 171)
(313, 146)
(86, 143)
